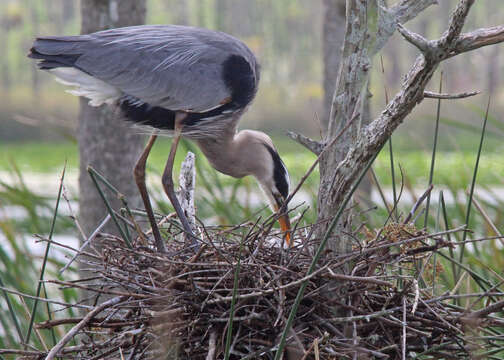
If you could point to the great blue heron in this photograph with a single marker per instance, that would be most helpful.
(180, 80)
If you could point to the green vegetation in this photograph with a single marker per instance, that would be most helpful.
(479, 265)
(452, 168)
(286, 100)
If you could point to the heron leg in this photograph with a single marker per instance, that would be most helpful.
(167, 178)
(139, 173)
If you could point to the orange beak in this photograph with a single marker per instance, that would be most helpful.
(284, 222)
(285, 226)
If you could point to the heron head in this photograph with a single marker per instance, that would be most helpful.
(273, 178)
(253, 153)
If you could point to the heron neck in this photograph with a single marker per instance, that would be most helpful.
(224, 154)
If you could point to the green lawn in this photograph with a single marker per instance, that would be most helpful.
(452, 168)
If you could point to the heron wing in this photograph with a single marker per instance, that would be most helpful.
(175, 67)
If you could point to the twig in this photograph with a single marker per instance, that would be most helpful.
(101, 291)
(463, 95)
(415, 39)
(69, 335)
(363, 279)
(187, 180)
(403, 342)
(3, 288)
(212, 345)
(488, 220)
(417, 296)
(418, 203)
(498, 306)
(89, 239)
(314, 146)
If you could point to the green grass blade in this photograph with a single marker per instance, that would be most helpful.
(473, 183)
(434, 148)
(92, 172)
(315, 259)
(391, 152)
(112, 188)
(478, 278)
(447, 227)
(49, 317)
(392, 175)
(12, 312)
(44, 262)
(380, 191)
(436, 229)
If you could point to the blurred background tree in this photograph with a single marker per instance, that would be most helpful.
(286, 35)
(106, 142)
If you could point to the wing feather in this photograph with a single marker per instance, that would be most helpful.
(175, 67)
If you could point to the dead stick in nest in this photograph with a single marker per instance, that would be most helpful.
(367, 279)
(19, 352)
(56, 349)
(212, 345)
(270, 290)
(10, 291)
(487, 310)
(101, 291)
(101, 322)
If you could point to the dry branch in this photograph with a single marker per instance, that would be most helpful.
(434, 95)
(71, 334)
(187, 182)
(371, 139)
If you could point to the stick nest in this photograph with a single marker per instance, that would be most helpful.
(376, 301)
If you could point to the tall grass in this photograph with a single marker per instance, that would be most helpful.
(474, 267)
(23, 270)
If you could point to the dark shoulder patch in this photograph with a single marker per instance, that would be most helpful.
(161, 118)
(145, 114)
(279, 172)
(240, 80)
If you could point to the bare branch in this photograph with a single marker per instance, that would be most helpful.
(478, 38)
(456, 23)
(187, 181)
(315, 147)
(418, 203)
(407, 10)
(487, 310)
(417, 40)
(372, 138)
(69, 335)
(434, 95)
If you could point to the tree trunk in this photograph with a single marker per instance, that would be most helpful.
(363, 39)
(35, 79)
(345, 104)
(106, 142)
(67, 10)
(333, 35)
(4, 59)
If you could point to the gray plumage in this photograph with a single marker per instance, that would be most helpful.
(162, 65)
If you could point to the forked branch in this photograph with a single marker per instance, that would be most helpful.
(372, 138)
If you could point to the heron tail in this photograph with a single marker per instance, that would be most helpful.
(54, 52)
